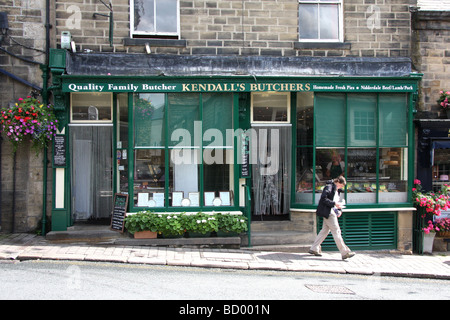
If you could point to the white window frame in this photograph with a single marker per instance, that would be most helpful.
(340, 4)
(288, 104)
(134, 33)
(108, 97)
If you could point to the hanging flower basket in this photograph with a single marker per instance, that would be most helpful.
(444, 101)
(28, 120)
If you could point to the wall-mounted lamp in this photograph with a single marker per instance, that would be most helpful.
(111, 20)
(3, 25)
(147, 48)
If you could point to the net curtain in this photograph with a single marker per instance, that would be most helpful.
(272, 170)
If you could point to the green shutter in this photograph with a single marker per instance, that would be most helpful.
(365, 231)
(362, 112)
(217, 115)
(393, 118)
(330, 120)
(148, 119)
(184, 110)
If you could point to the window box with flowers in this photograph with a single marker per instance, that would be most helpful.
(444, 102)
(28, 120)
(442, 227)
(196, 224)
(429, 205)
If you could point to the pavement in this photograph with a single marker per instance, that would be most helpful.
(23, 246)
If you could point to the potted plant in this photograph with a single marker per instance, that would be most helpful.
(230, 224)
(431, 204)
(200, 224)
(176, 224)
(429, 232)
(444, 102)
(142, 225)
(28, 120)
(442, 227)
(170, 225)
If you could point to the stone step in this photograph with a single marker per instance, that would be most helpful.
(89, 235)
(282, 248)
(270, 238)
(264, 226)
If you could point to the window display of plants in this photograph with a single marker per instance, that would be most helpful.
(170, 224)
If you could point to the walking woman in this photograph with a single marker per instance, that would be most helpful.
(330, 208)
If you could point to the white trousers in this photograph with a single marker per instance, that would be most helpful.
(330, 224)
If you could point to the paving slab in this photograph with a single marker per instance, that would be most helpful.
(19, 247)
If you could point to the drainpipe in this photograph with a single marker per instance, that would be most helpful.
(13, 222)
(0, 182)
(45, 76)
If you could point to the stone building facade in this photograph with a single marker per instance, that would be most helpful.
(431, 56)
(236, 27)
(374, 37)
(23, 50)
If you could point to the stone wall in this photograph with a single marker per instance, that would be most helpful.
(372, 28)
(25, 39)
(431, 56)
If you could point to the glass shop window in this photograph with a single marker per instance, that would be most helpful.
(304, 148)
(193, 165)
(393, 175)
(270, 107)
(218, 154)
(361, 136)
(441, 168)
(149, 154)
(91, 107)
(122, 142)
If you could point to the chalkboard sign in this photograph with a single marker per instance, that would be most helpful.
(59, 151)
(119, 210)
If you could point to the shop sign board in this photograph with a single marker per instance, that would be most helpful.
(119, 211)
(59, 151)
(141, 85)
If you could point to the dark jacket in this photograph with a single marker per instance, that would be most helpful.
(326, 200)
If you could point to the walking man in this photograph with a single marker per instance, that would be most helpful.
(330, 209)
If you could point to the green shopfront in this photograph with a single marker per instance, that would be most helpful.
(263, 145)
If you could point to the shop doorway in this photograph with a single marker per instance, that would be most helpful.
(271, 174)
(91, 174)
(271, 163)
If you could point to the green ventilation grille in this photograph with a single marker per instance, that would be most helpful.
(365, 231)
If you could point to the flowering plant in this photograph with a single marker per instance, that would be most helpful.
(431, 227)
(179, 223)
(444, 100)
(443, 224)
(232, 223)
(28, 120)
(432, 202)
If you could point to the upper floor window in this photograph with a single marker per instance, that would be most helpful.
(320, 20)
(154, 18)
